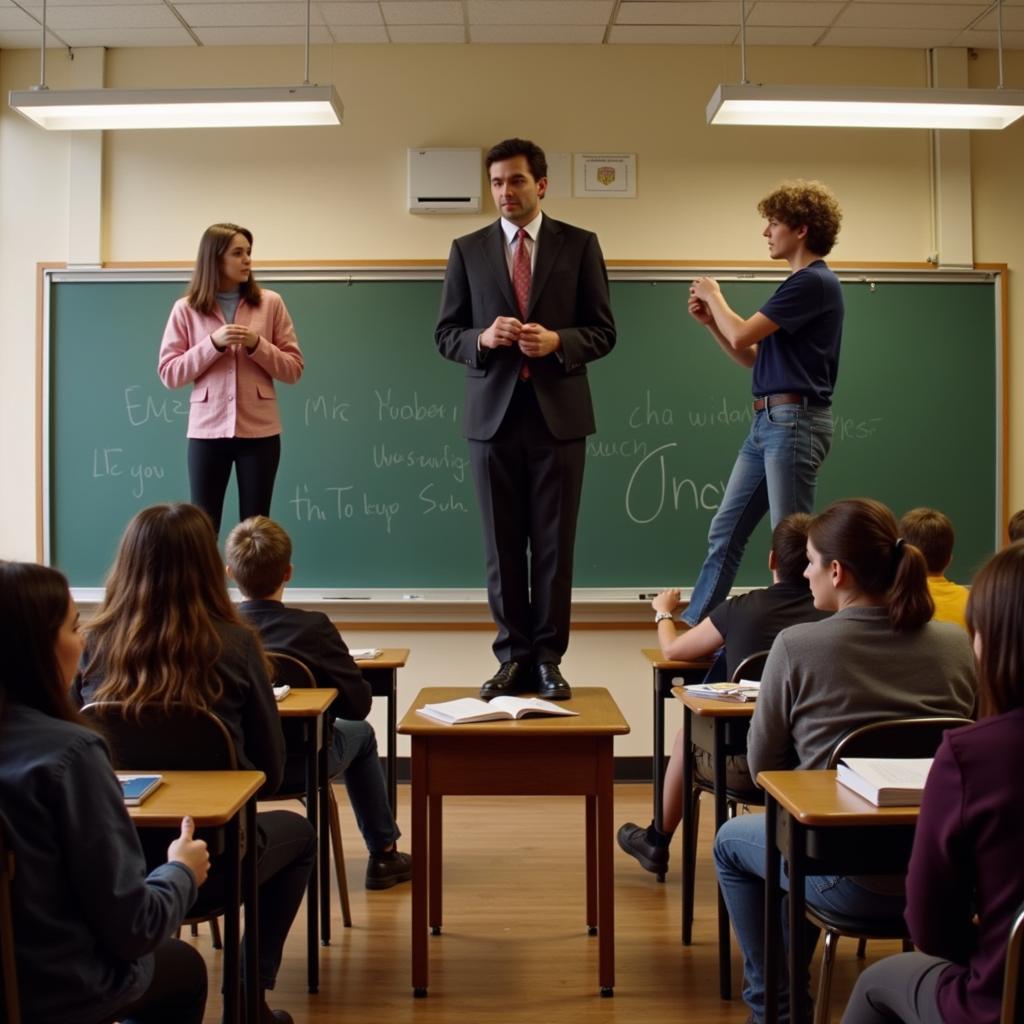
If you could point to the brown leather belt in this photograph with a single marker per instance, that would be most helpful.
(783, 398)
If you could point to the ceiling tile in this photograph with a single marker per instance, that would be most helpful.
(1013, 18)
(249, 15)
(254, 35)
(908, 38)
(128, 37)
(12, 18)
(926, 16)
(426, 12)
(536, 33)
(682, 34)
(1013, 40)
(769, 35)
(427, 33)
(677, 12)
(539, 12)
(351, 14)
(359, 33)
(110, 16)
(785, 12)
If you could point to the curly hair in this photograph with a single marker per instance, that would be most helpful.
(807, 204)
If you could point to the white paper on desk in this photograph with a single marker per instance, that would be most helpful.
(364, 653)
(280, 692)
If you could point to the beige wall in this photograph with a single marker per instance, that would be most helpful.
(340, 194)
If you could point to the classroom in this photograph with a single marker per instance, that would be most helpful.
(336, 196)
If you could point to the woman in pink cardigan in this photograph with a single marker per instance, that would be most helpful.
(230, 339)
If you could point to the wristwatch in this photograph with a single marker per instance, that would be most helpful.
(661, 616)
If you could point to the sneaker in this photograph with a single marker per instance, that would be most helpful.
(633, 839)
(383, 870)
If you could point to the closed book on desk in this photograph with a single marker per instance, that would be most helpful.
(886, 781)
(135, 788)
(742, 691)
(471, 709)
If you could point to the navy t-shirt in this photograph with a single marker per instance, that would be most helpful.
(803, 354)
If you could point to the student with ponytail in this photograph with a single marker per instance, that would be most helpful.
(878, 656)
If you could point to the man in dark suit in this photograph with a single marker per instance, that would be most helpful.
(525, 308)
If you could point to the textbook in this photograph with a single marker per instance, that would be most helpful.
(886, 781)
(364, 653)
(280, 692)
(744, 690)
(471, 709)
(136, 788)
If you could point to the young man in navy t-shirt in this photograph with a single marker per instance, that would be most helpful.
(792, 344)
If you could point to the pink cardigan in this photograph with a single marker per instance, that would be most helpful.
(233, 391)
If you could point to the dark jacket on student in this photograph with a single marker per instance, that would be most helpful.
(246, 707)
(968, 852)
(86, 915)
(312, 638)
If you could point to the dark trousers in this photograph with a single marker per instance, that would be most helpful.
(528, 484)
(177, 993)
(255, 460)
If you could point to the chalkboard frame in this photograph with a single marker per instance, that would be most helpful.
(642, 271)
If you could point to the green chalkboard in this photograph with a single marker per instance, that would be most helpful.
(374, 483)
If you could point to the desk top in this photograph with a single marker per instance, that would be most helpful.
(598, 715)
(212, 798)
(303, 703)
(816, 798)
(713, 707)
(390, 657)
(659, 661)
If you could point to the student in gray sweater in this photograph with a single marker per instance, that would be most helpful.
(878, 656)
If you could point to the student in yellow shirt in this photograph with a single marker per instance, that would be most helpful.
(932, 532)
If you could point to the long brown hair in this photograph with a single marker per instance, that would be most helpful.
(861, 534)
(202, 289)
(995, 612)
(34, 602)
(155, 637)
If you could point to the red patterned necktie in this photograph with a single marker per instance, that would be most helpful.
(521, 276)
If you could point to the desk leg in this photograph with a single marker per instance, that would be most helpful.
(232, 910)
(772, 902)
(658, 768)
(721, 815)
(688, 853)
(605, 868)
(323, 797)
(251, 895)
(312, 898)
(590, 840)
(420, 867)
(798, 1002)
(434, 807)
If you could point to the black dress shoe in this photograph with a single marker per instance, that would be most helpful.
(511, 677)
(551, 684)
(636, 841)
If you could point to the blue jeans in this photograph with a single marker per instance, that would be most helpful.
(776, 470)
(354, 753)
(739, 853)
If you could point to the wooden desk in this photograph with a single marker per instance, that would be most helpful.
(532, 757)
(310, 708)
(821, 828)
(720, 726)
(382, 675)
(216, 800)
(664, 672)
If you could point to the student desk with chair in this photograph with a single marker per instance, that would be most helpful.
(382, 675)
(218, 800)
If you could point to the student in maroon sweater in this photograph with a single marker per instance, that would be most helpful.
(965, 882)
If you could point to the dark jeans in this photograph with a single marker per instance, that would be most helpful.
(209, 468)
(177, 993)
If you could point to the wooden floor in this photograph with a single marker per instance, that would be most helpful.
(514, 946)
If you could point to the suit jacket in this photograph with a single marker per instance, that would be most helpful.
(312, 638)
(568, 294)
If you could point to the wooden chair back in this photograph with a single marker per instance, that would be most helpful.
(895, 737)
(291, 671)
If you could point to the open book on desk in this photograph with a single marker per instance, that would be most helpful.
(886, 781)
(744, 690)
(472, 709)
(135, 788)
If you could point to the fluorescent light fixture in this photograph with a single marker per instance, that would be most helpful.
(877, 107)
(92, 109)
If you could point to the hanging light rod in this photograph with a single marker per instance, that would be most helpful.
(853, 107)
(239, 107)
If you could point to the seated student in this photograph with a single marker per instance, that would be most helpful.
(90, 926)
(931, 532)
(744, 625)
(878, 656)
(167, 631)
(259, 554)
(1015, 527)
(965, 885)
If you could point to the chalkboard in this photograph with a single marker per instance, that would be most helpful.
(374, 483)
